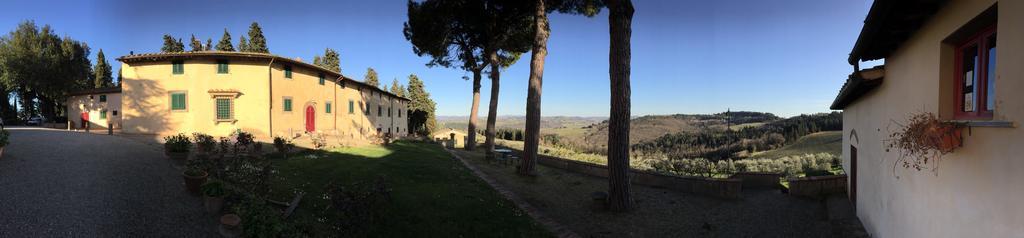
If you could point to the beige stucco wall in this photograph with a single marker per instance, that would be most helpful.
(82, 103)
(259, 108)
(976, 191)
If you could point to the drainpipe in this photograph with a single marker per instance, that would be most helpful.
(270, 91)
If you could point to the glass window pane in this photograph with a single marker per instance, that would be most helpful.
(970, 78)
(990, 102)
(223, 108)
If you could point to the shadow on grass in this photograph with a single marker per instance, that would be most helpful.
(431, 194)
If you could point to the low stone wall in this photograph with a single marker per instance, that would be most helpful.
(818, 185)
(759, 180)
(729, 188)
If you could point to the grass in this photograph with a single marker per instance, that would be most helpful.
(821, 142)
(432, 195)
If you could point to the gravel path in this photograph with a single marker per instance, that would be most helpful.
(57, 183)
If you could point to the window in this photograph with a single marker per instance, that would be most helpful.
(975, 76)
(224, 109)
(367, 108)
(399, 113)
(287, 72)
(115, 113)
(103, 113)
(322, 79)
(222, 66)
(103, 98)
(379, 112)
(389, 112)
(287, 104)
(351, 107)
(327, 107)
(179, 101)
(178, 67)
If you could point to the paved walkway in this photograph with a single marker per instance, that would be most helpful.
(56, 183)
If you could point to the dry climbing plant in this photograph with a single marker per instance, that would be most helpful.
(922, 141)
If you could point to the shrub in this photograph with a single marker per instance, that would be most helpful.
(319, 141)
(243, 140)
(259, 219)
(177, 143)
(283, 145)
(225, 146)
(204, 142)
(213, 189)
(4, 138)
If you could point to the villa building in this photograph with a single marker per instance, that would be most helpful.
(940, 57)
(94, 108)
(220, 92)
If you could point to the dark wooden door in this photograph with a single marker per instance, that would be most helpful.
(853, 176)
(310, 119)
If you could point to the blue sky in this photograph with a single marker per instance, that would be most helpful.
(785, 57)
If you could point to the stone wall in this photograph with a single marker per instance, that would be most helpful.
(817, 186)
(730, 188)
(759, 180)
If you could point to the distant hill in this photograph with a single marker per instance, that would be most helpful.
(519, 122)
(821, 142)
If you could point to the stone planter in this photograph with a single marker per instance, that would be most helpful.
(230, 225)
(213, 204)
(192, 183)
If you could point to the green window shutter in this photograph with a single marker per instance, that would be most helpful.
(288, 72)
(322, 79)
(351, 107)
(178, 101)
(103, 114)
(222, 66)
(287, 104)
(327, 107)
(223, 109)
(178, 67)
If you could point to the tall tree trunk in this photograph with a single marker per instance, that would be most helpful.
(471, 130)
(492, 109)
(540, 50)
(47, 108)
(620, 19)
(6, 110)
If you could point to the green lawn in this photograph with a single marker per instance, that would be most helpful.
(432, 194)
(821, 142)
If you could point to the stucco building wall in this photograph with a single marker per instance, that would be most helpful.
(78, 104)
(975, 192)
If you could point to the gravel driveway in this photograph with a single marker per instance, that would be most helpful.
(56, 183)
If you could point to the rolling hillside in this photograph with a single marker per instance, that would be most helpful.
(821, 142)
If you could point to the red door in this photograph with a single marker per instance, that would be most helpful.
(310, 119)
(85, 120)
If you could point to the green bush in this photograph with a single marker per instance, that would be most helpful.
(204, 142)
(177, 143)
(213, 189)
(4, 138)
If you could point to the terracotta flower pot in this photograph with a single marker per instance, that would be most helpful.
(192, 183)
(229, 225)
(951, 138)
(213, 204)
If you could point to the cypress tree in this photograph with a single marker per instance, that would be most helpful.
(225, 42)
(243, 45)
(371, 78)
(195, 44)
(397, 88)
(172, 45)
(102, 72)
(209, 44)
(422, 119)
(257, 43)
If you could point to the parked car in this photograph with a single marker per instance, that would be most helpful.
(34, 121)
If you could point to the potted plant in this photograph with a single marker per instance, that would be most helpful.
(176, 147)
(205, 144)
(213, 196)
(194, 177)
(925, 139)
(229, 225)
(283, 146)
(4, 140)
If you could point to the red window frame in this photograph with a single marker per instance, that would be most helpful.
(981, 110)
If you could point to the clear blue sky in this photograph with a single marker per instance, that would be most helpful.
(784, 57)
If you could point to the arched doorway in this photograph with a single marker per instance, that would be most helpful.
(310, 118)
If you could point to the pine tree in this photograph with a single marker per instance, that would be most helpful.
(243, 45)
(209, 44)
(172, 45)
(397, 88)
(102, 72)
(257, 43)
(119, 78)
(225, 42)
(423, 119)
(195, 44)
(330, 60)
(371, 77)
